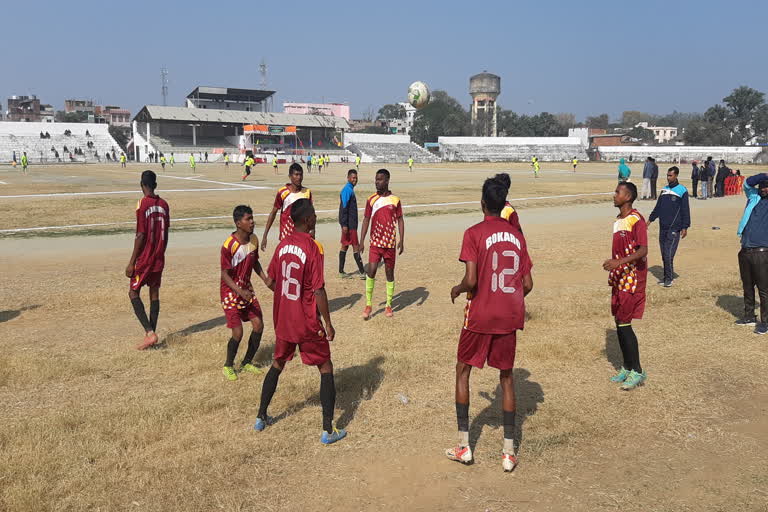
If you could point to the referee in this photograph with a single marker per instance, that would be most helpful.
(753, 256)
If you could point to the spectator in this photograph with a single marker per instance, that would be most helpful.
(114, 157)
(674, 216)
(47, 135)
(704, 181)
(87, 134)
(723, 172)
(56, 154)
(108, 157)
(695, 178)
(42, 135)
(753, 257)
(647, 172)
(711, 172)
(654, 177)
(206, 157)
(624, 171)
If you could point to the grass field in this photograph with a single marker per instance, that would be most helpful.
(89, 423)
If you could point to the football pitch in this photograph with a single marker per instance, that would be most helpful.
(89, 423)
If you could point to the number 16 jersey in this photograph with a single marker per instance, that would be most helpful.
(497, 304)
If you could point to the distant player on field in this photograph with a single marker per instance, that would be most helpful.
(348, 223)
(508, 213)
(274, 163)
(383, 211)
(320, 163)
(357, 162)
(122, 159)
(410, 163)
(248, 163)
(162, 161)
(309, 163)
(628, 271)
(24, 162)
(148, 258)
(497, 277)
(575, 162)
(300, 301)
(172, 160)
(226, 159)
(192, 164)
(536, 166)
(240, 257)
(284, 200)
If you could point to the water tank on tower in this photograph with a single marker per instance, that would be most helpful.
(484, 88)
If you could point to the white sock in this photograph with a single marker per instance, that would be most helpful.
(509, 446)
(463, 438)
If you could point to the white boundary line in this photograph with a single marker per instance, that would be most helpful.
(75, 226)
(119, 192)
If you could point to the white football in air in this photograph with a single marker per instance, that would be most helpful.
(418, 94)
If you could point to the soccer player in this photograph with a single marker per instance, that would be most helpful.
(162, 161)
(226, 160)
(172, 160)
(192, 162)
(497, 277)
(575, 162)
(348, 222)
(274, 163)
(628, 270)
(122, 159)
(24, 162)
(309, 163)
(383, 211)
(248, 163)
(508, 213)
(320, 165)
(536, 167)
(240, 257)
(284, 200)
(148, 258)
(410, 163)
(357, 162)
(296, 277)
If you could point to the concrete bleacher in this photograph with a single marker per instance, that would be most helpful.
(510, 149)
(386, 148)
(683, 154)
(183, 145)
(21, 137)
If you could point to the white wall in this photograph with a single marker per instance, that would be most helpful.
(511, 141)
(13, 128)
(733, 154)
(352, 138)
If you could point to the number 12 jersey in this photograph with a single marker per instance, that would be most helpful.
(497, 304)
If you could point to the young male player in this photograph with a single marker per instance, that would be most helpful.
(172, 160)
(240, 257)
(320, 162)
(508, 213)
(148, 258)
(274, 163)
(357, 162)
(248, 164)
(123, 158)
(309, 163)
(383, 211)
(296, 277)
(536, 167)
(226, 159)
(284, 200)
(575, 162)
(410, 163)
(348, 222)
(192, 163)
(162, 161)
(24, 162)
(497, 277)
(628, 271)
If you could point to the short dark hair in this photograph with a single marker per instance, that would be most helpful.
(351, 172)
(384, 172)
(301, 209)
(149, 179)
(494, 195)
(631, 187)
(240, 211)
(674, 169)
(504, 179)
(295, 168)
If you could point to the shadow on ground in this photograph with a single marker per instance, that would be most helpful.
(404, 299)
(528, 396)
(731, 304)
(612, 350)
(658, 272)
(340, 303)
(10, 314)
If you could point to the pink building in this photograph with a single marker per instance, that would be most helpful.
(322, 109)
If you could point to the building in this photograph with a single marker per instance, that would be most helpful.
(228, 98)
(661, 134)
(47, 113)
(401, 126)
(113, 115)
(611, 139)
(72, 106)
(23, 109)
(485, 89)
(318, 109)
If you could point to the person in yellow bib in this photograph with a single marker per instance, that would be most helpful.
(192, 162)
(122, 159)
(24, 162)
(357, 162)
(536, 167)
(320, 162)
(575, 163)
(226, 160)
(274, 163)
(162, 161)
(410, 163)
(249, 162)
(172, 160)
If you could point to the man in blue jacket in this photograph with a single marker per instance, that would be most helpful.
(674, 220)
(753, 257)
(348, 223)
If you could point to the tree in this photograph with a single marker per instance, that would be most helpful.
(745, 105)
(544, 124)
(645, 135)
(630, 118)
(743, 118)
(600, 121)
(566, 120)
(391, 111)
(681, 120)
(71, 117)
(443, 116)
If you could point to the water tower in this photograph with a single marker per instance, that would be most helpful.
(484, 88)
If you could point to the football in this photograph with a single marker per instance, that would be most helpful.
(418, 94)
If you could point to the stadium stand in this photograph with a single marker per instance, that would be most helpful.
(386, 148)
(510, 149)
(682, 154)
(20, 137)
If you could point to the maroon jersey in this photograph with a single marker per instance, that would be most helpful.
(297, 269)
(283, 202)
(153, 219)
(383, 212)
(496, 305)
(239, 260)
(629, 233)
(510, 215)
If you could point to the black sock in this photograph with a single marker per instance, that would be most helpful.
(359, 262)
(253, 345)
(231, 351)
(625, 355)
(342, 260)
(268, 390)
(462, 416)
(141, 314)
(154, 312)
(632, 348)
(327, 400)
(509, 424)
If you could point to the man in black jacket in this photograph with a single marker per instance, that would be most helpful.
(348, 222)
(674, 216)
(654, 177)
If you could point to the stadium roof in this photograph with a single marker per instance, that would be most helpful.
(208, 115)
(229, 93)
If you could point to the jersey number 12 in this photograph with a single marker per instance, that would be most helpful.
(498, 279)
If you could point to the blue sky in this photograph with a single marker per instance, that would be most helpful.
(579, 57)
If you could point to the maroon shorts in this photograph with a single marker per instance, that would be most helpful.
(313, 353)
(236, 316)
(151, 279)
(498, 349)
(350, 238)
(376, 254)
(627, 306)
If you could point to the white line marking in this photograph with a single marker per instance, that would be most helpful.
(122, 192)
(3, 183)
(74, 226)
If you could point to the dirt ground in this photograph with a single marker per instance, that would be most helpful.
(89, 423)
